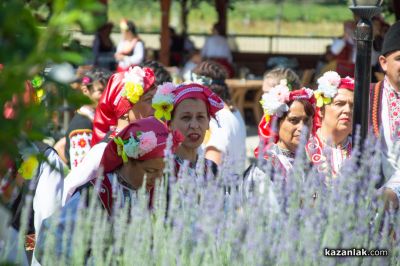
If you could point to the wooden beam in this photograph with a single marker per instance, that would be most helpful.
(165, 38)
(222, 7)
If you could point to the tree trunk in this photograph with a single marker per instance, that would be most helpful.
(184, 16)
(164, 49)
(222, 7)
(396, 8)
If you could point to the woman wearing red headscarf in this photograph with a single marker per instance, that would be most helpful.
(136, 151)
(188, 109)
(331, 144)
(286, 115)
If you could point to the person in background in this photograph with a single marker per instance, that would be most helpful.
(274, 77)
(226, 139)
(79, 133)
(217, 48)
(103, 48)
(130, 50)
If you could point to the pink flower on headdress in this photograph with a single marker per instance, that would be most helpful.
(148, 141)
(328, 84)
(280, 92)
(166, 88)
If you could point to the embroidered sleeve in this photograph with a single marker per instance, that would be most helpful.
(80, 144)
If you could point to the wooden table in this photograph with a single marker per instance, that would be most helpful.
(239, 88)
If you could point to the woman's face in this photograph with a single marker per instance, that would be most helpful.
(191, 119)
(338, 115)
(133, 172)
(143, 108)
(291, 126)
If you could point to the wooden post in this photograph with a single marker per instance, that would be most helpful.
(396, 8)
(222, 7)
(164, 49)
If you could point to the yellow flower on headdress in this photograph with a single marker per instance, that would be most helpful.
(133, 91)
(121, 149)
(28, 167)
(163, 109)
(321, 100)
(267, 117)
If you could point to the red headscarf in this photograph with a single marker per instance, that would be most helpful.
(266, 130)
(113, 104)
(168, 97)
(345, 83)
(112, 158)
(193, 90)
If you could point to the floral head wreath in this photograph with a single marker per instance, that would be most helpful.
(274, 102)
(134, 83)
(136, 146)
(328, 86)
(168, 95)
(142, 140)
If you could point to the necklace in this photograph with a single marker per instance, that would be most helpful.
(287, 152)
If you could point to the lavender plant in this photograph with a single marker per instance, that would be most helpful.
(284, 222)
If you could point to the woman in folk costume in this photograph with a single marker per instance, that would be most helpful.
(230, 127)
(130, 50)
(331, 144)
(290, 112)
(138, 150)
(127, 98)
(188, 109)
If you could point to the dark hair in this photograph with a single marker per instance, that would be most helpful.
(218, 74)
(308, 108)
(131, 27)
(100, 75)
(161, 74)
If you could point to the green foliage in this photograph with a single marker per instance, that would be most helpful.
(27, 46)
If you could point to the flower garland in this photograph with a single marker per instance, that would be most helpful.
(134, 84)
(163, 101)
(135, 147)
(274, 101)
(328, 86)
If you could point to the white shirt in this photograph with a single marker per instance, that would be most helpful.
(49, 191)
(85, 171)
(390, 149)
(216, 46)
(137, 56)
(229, 138)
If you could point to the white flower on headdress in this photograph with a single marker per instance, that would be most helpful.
(274, 101)
(328, 84)
(134, 75)
(163, 101)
